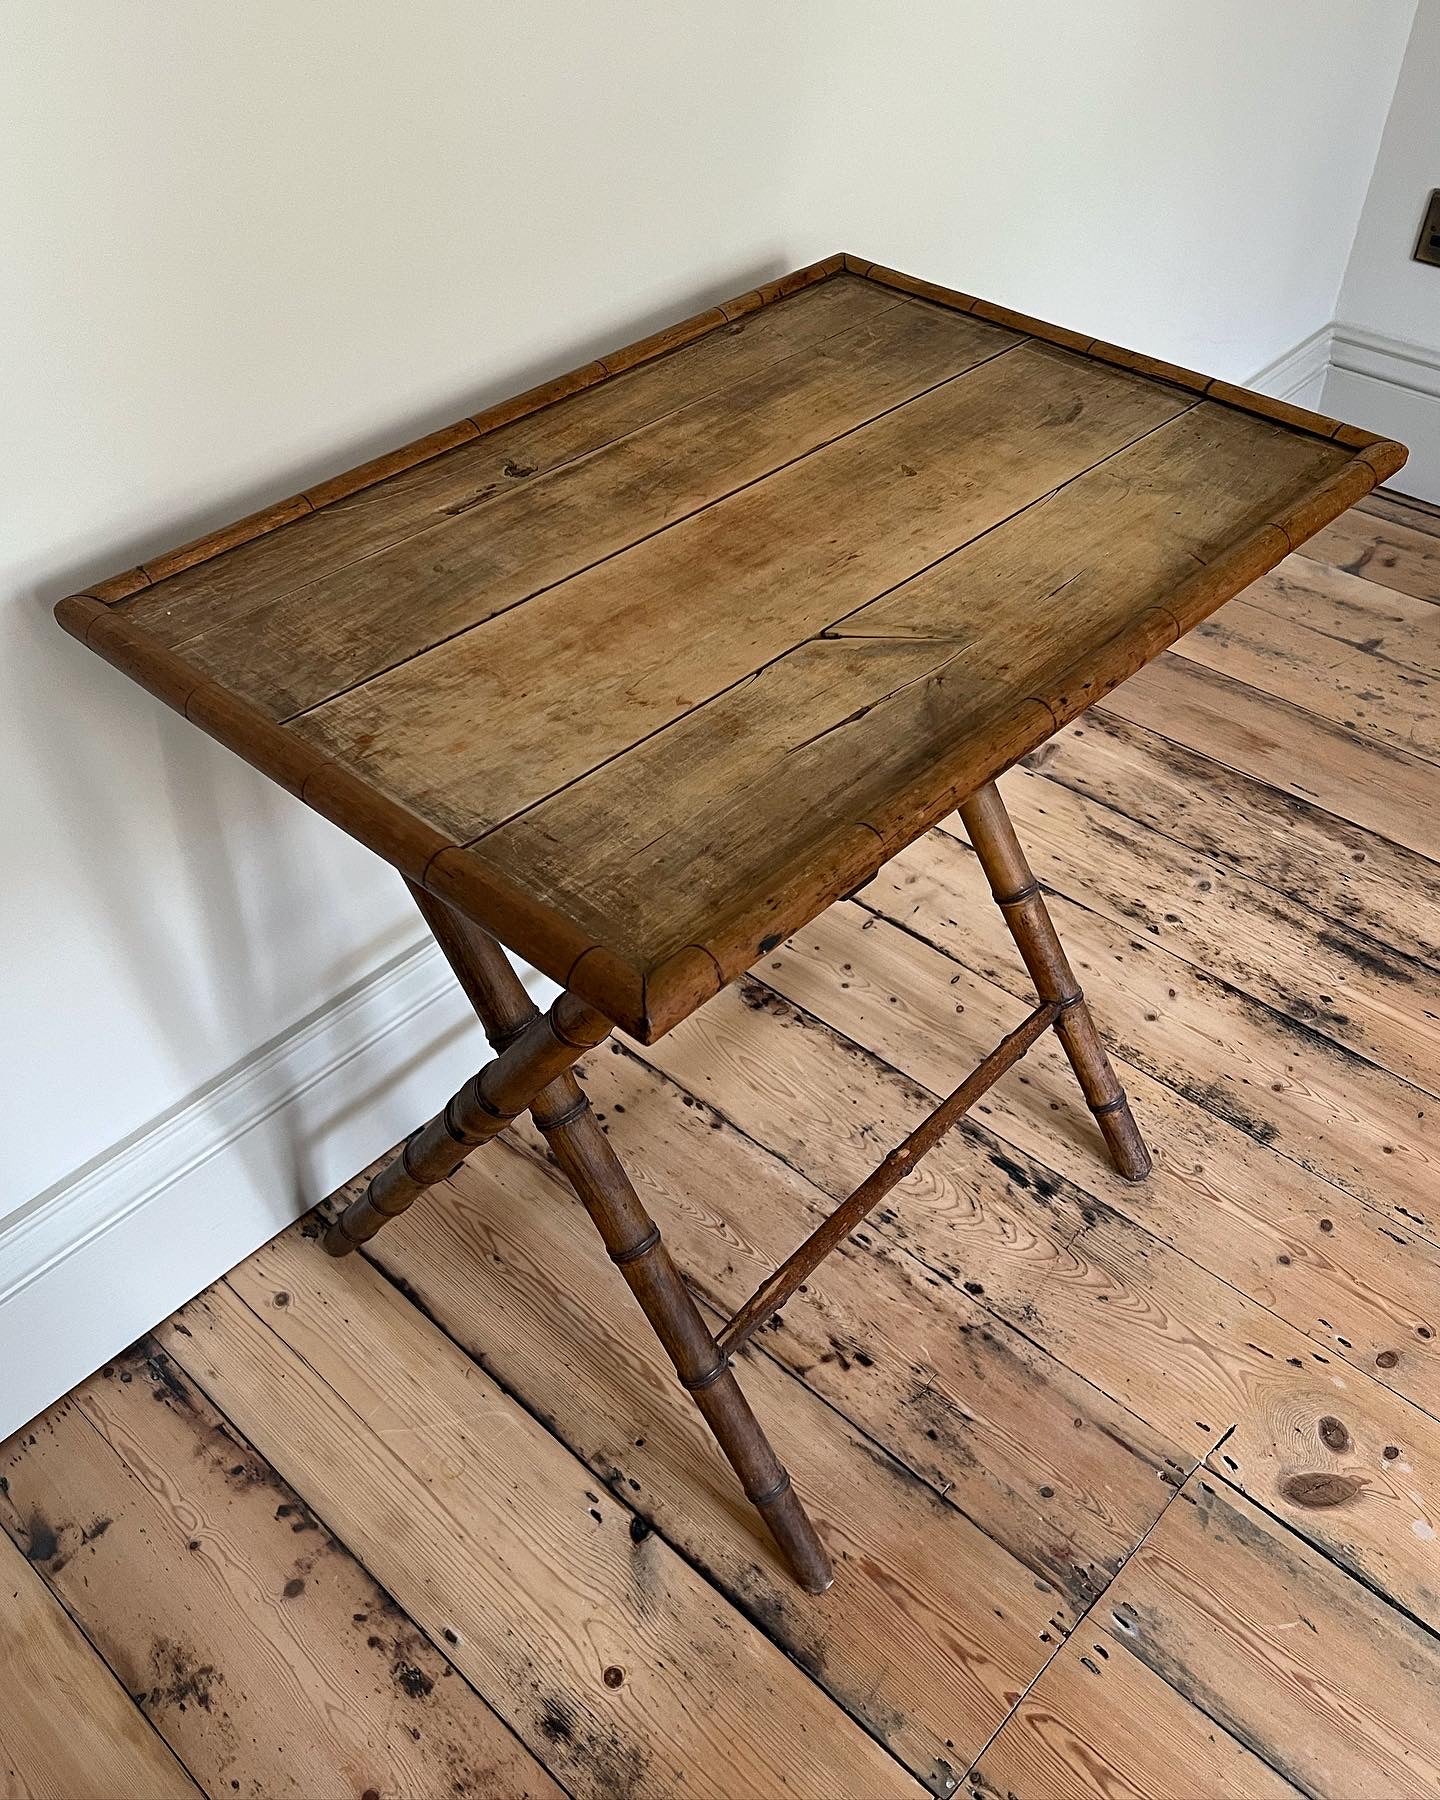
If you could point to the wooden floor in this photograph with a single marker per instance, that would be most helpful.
(1131, 1490)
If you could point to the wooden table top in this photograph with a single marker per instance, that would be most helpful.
(643, 669)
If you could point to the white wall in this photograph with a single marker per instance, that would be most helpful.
(245, 247)
(1386, 354)
(251, 245)
(1179, 178)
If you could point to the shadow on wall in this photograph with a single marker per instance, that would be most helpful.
(189, 871)
(208, 996)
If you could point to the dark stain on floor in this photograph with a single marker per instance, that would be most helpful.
(179, 1678)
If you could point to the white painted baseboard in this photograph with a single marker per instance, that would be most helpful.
(1299, 374)
(1394, 361)
(1387, 384)
(1392, 386)
(89, 1266)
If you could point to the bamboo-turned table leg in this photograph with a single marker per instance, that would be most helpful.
(1017, 893)
(563, 1114)
(633, 1241)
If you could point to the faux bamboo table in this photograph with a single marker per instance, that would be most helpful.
(637, 672)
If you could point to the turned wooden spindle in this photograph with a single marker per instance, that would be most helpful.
(781, 1283)
(545, 1048)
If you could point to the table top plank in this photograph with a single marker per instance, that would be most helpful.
(339, 521)
(653, 848)
(481, 551)
(833, 735)
(597, 664)
(1061, 571)
(643, 668)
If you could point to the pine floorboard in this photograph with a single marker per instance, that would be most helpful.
(1131, 1490)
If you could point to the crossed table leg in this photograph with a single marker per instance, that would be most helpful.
(532, 1070)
